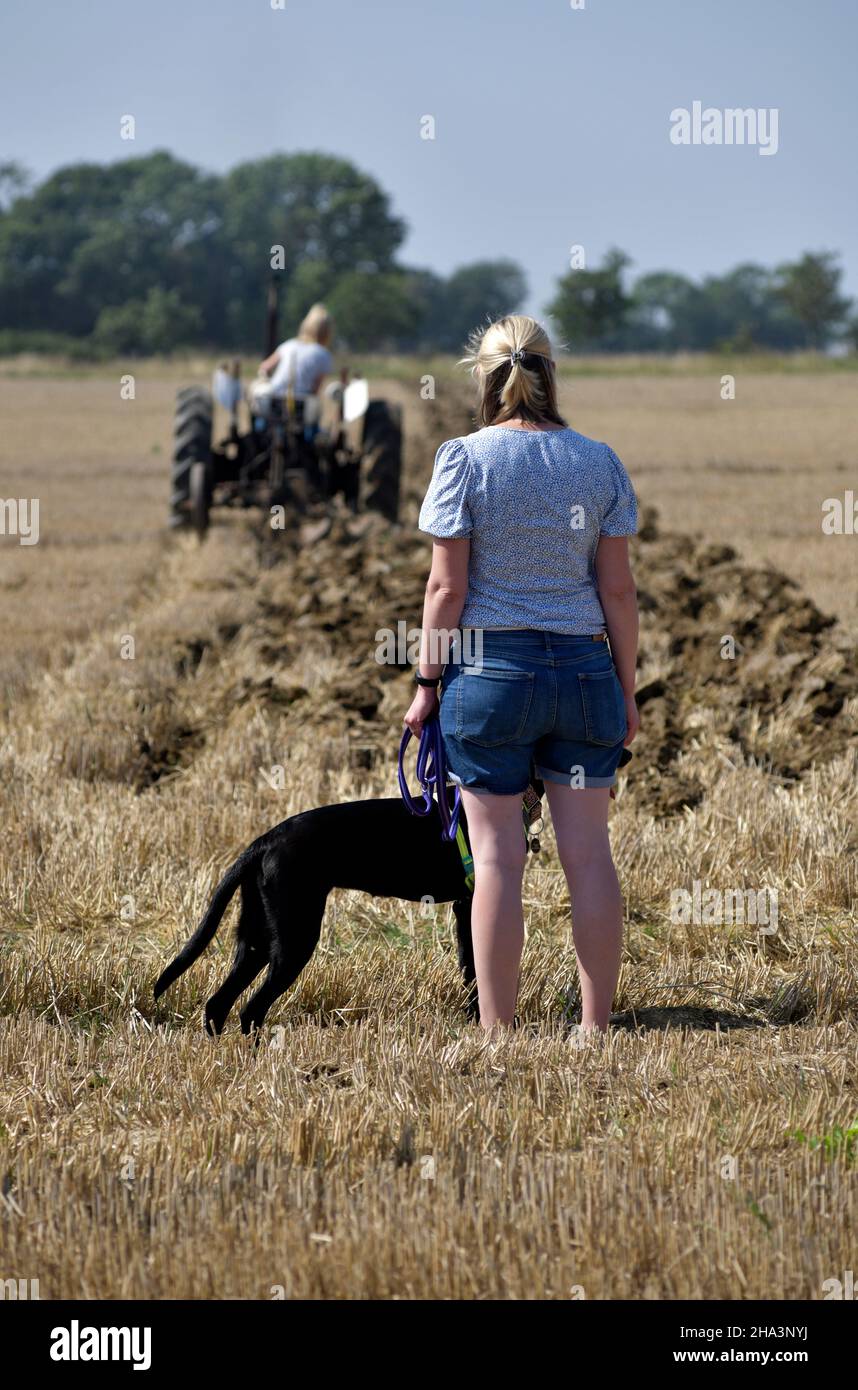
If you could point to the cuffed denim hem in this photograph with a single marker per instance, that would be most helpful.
(548, 774)
(487, 791)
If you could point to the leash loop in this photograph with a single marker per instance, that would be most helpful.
(432, 776)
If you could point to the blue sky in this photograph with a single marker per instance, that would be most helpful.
(552, 124)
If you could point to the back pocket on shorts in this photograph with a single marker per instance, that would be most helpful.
(492, 706)
(604, 707)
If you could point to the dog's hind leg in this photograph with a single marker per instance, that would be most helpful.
(251, 955)
(292, 943)
(248, 961)
(462, 914)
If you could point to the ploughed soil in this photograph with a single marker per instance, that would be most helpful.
(733, 657)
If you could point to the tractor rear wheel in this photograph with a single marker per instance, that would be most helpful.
(381, 458)
(192, 443)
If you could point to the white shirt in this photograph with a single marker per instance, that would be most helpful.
(311, 361)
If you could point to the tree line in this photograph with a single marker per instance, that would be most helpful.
(153, 254)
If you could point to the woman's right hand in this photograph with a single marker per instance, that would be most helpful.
(424, 706)
(633, 720)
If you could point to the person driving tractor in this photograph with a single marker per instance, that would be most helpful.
(303, 362)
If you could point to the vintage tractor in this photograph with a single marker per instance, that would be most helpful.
(288, 453)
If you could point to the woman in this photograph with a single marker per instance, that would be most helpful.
(530, 522)
(299, 366)
(302, 362)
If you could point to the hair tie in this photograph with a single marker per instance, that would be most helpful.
(516, 355)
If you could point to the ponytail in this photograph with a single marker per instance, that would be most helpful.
(511, 362)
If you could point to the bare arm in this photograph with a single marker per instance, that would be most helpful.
(446, 591)
(619, 600)
(267, 367)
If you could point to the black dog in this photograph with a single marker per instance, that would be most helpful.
(378, 847)
(286, 875)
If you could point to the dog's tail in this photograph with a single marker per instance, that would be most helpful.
(207, 928)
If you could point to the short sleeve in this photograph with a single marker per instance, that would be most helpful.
(445, 512)
(326, 361)
(621, 516)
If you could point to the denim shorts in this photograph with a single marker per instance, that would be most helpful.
(531, 699)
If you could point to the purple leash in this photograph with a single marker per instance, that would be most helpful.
(432, 776)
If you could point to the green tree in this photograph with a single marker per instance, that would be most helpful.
(92, 237)
(375, 310)
(167, 323)
(476, 294)
(664, 312)
(158, 323)
(591, 306)
(741, 309)
(14, 182)
(429, 293)
(319, 209)
(810, 289)
(310, 283)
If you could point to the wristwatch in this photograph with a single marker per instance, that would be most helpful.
(432, 682)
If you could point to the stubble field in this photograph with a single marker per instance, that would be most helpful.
(372, 1146)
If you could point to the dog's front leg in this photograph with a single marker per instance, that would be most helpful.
(462, 914)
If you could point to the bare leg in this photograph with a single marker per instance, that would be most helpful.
(497, 918)
(580, 818)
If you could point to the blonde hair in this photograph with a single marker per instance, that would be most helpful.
(316, 325)
(524, 388)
